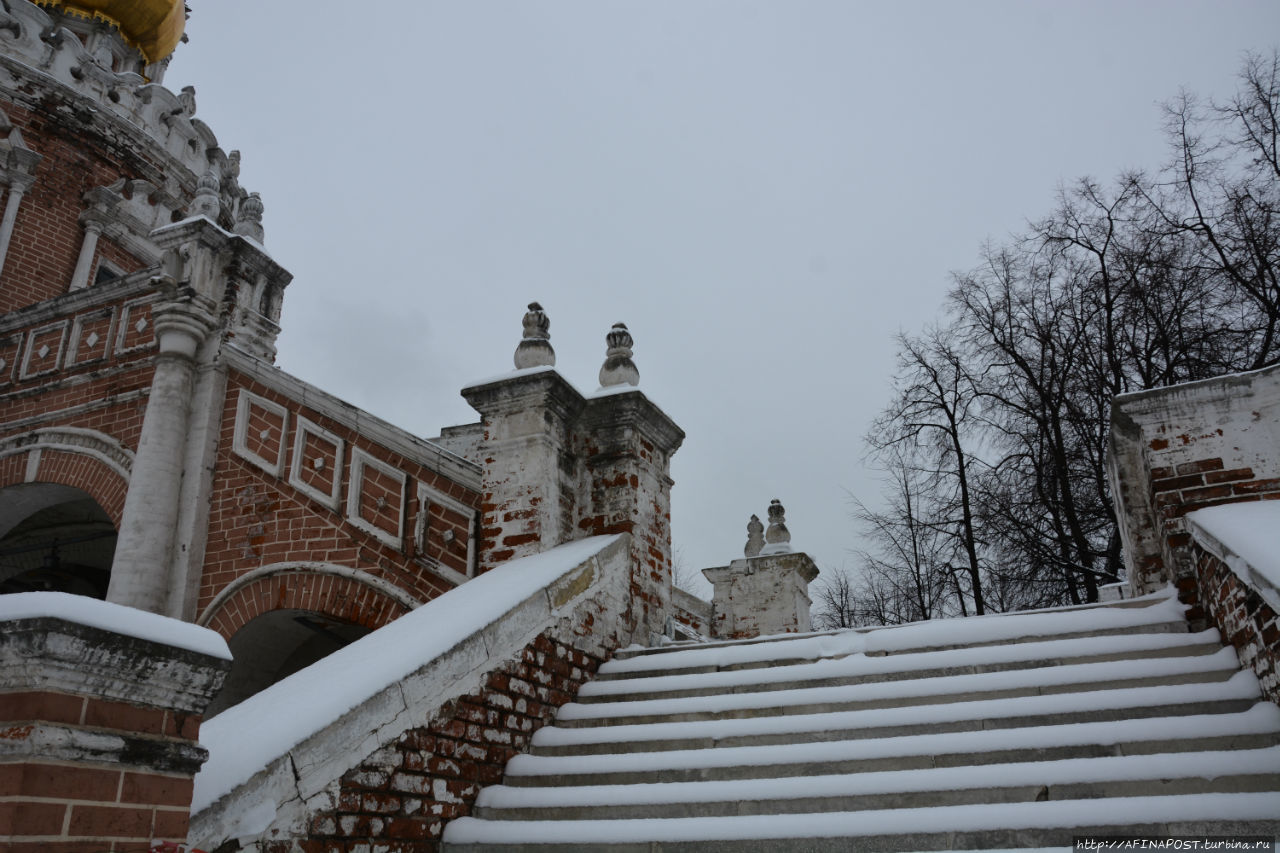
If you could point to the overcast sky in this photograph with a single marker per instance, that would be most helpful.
(765, 192)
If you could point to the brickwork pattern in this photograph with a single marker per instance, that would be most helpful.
(1246, 621)
(399, 799)
(258, 518)
(47, 234)
(61, 807)
(77, 470)
(339, 597)
(1182, 487)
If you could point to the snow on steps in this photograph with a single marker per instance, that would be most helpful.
(1011, 731)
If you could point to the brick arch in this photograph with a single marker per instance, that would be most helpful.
(90, 461)
(338, 591)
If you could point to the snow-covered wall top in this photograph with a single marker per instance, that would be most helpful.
(115, 618)
(1243, 535)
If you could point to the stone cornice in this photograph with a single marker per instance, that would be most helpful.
(633, 409)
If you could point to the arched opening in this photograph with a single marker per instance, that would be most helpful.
(277, 644)
(54, 537)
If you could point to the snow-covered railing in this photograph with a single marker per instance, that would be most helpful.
(481, 667)
(1237, 557)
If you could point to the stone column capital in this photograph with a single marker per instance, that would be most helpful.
(183, 319)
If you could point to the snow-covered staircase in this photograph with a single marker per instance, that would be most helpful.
(1010, 731)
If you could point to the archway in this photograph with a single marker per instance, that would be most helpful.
(276, 644)
(54, 537)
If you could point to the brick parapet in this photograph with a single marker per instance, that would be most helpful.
(100, 733)
(400, 798)
(1245, 619)
(1178, 449)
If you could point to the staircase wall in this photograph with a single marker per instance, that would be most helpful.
(1189, 447)
(390, 772)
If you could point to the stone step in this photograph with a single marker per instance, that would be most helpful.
(990, 715)
(860, 669)
(1110, 675)
(1157, 599)
(1255, 728)
(1112, 776)
(1160, 611)
(968, 827)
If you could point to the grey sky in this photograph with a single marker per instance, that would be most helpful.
(763, 191)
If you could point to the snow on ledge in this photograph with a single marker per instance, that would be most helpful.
(1243, 535)
(250, 737)
(116, 618)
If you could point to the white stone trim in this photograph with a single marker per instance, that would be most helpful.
(61, 327)
(359, 461)
(77, 330)
(239, 442)
(301, 430)
(8, 369)
(387, 588)
(89, 442)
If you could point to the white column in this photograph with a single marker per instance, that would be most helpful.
(84, 263)
(16, 192)
(141, 568)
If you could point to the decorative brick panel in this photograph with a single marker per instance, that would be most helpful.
(91, 337)
(260, 430)
(316, 466)
(44, 350)
(135, 331)
(376, 498)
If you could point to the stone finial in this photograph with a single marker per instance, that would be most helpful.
(535, 347)
(618, 368)
(777, 537)
(755, 537)
(249, 217)
(208, 202)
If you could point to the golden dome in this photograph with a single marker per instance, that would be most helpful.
(154, 27)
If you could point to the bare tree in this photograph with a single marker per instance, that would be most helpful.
(927, 427)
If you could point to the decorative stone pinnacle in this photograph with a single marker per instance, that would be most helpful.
(207, 202)
(777, 536)
(249, 217)
(535, 347)
(618, 368)
(755, 537)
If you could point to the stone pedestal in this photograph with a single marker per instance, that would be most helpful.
(761, 595)
(99, 726)
(530, 482)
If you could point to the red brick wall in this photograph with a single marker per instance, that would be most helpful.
(339, 597)
(71, 469)
(57, 807)
(1244, 618)
(258, 519)
(1181, 487)
(47, 234)
(401, 797)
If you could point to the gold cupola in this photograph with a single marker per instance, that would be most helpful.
(153, 27)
